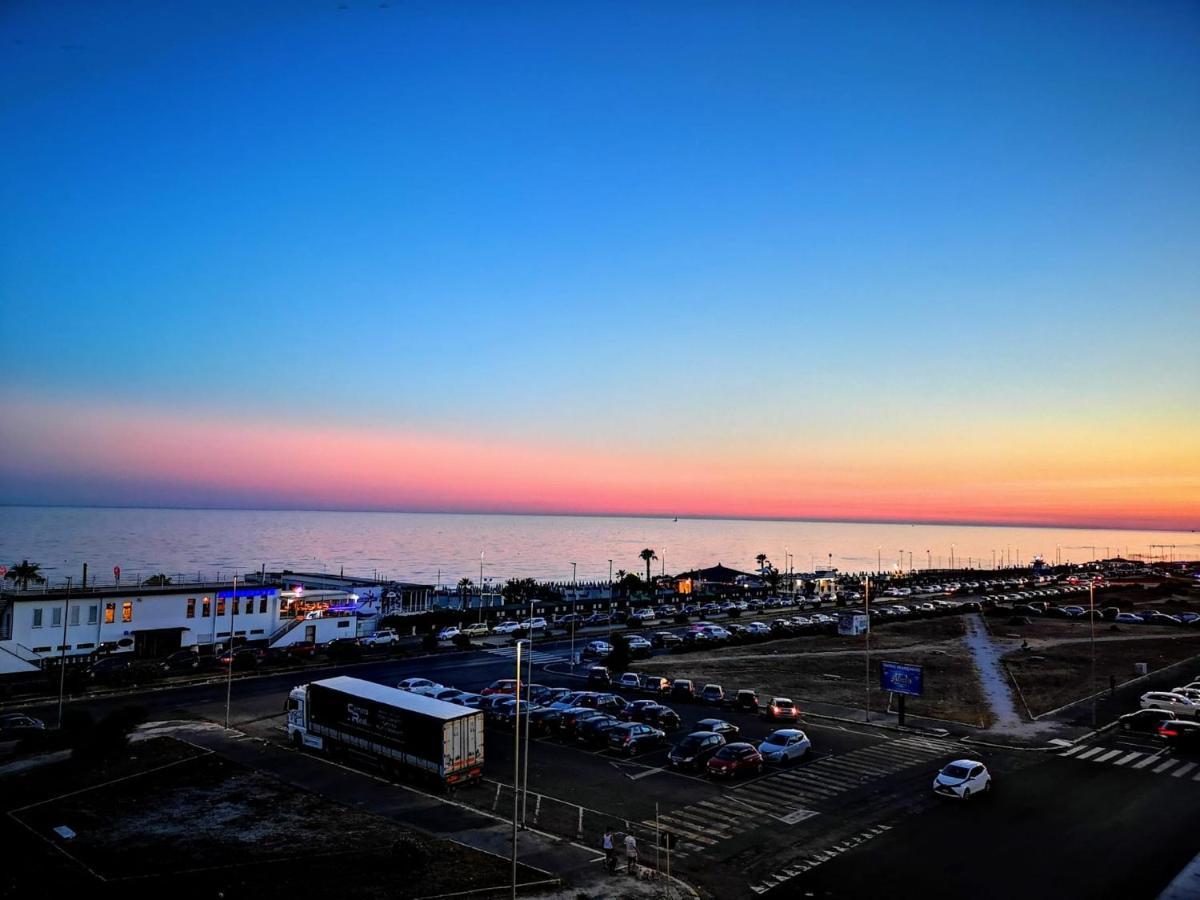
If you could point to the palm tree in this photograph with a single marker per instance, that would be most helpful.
(25, 572)
(648, 555)
(464, 587)
(761, 559)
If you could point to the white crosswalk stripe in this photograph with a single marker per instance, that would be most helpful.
(1146, 761)
(539, 657)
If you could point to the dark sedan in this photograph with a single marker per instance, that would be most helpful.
(1145, 721)
(572, 718)
(1180, 733)
(727, 730)
(544, 720)
(595, 730)
(695, 750)
(634, 737)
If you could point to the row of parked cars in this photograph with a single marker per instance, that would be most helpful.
(1172, 715)
(609, 719)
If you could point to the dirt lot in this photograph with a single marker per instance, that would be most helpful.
(832, 669)
(196, 825)
(1053, 674)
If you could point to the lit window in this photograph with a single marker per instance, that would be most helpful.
(220, 606)
(236, 606)
(191, 608)
(205, 608)
(110, 613)
(127, 611)
(37, 617)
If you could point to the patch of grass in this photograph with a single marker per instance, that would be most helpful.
(1054, 675)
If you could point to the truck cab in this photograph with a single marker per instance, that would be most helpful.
(297, 728)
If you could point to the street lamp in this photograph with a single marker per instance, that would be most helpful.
(516, 770)
(867, 682)
(574, 607)
(62, 659)
(1092, 623)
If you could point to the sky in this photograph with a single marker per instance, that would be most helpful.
(899, 262)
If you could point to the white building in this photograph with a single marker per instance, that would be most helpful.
(150, 621)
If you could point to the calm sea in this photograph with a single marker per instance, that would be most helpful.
(427, 547)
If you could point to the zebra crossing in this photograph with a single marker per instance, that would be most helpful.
(1152, 762)
(539, 657)
(791, 796)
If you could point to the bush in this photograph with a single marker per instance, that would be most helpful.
(91, 744)
(429, 642)
(681, 618)
(462, 641)
(618, 660)
(734, 613)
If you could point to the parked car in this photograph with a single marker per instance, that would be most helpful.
(544, 720)
(537, 623)
(695, 750)
(595, 730)
(639, 647)
(476, 629)
(571, 719)
(725, 729)
(656, 684)
(1126, 618)
(381, 638)
(663, 718)
(468, 699)
(500, 686)
(683, 689)
(745, 701)
(1180, 733)
(546, 695)
(1144, 720)
(299, 650)
(735, 759)
(1177, 704)
(183, 661)
(507, 627)
(110, 668)
(781, 709)
(630, 680)
(599, 676)
(409, 684)
(963, 778)
(665, 639)
(785, 745)
(712, 693)
(449, 633)
(14, 726)
(597, 650)
(634, 737)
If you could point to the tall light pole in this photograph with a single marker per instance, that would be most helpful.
(229, 673)
(928, 560)
(574, 607)
(62, 659)
(867, 680)
(481, 582)
(951, 556)
(1092, 617)
(516, 770)
(528, 706)
(878, 559)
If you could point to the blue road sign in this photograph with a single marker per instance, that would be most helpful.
(902, 679)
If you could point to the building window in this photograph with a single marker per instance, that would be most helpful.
(191, 608)
(205, 608)
(283, 604)
(74, 615)
(344, 624)
(221, 607)
(262, 604)
(56, 617)
(93, 613)
(37, 617)
(256, 631)
(237, 606)
(84, 646)
(110, 613)
(42, 649)
(127, 611)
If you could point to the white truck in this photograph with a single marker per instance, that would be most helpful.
(405, 731)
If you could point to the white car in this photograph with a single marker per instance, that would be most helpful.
(1176, 704)
(785, 745)
(1190, 692)
(537, 623)
(1128, 618)
(963, 778)
(597, 650)
(509, 627)
(411, 684)
(381, 638)
(448, 633)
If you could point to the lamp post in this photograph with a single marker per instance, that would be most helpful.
(878, 558)
(62, 659)
(1092, 623)
(229, 672)
(867, 680)
(574, 607)
(516, 770)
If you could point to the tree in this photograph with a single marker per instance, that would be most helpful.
(620, 657)
(648, 555)
(464, 589)
(773, 578)
(159, 580)
(24, 572)
(761, 559)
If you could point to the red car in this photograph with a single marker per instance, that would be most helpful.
(503, 686)
(735, 759)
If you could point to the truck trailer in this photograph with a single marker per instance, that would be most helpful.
(442, 741)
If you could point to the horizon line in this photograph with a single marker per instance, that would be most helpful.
(604, 515)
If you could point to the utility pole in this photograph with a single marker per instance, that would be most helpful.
(229, 673)
(62, 659)
(1092, 618)
(574, 622)
(867, 680)
(516, 770)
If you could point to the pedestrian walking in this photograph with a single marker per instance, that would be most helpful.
(610, 852)
(631, 854)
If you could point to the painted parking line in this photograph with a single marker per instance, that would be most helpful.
(1141, 764)
(1073, 750)
(1126, 758)
(1088, 753)
(1183, 770)
(1159, 769)
(1105, 757)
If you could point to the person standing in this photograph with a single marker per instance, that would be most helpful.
(631, 853)
(610, 852)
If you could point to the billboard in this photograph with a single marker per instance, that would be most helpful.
(852, 623)
(902, 679)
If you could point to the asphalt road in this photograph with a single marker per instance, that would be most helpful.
(856, 819)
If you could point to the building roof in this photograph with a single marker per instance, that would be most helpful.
(719, 574)
(381, 693)
(198, 589)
